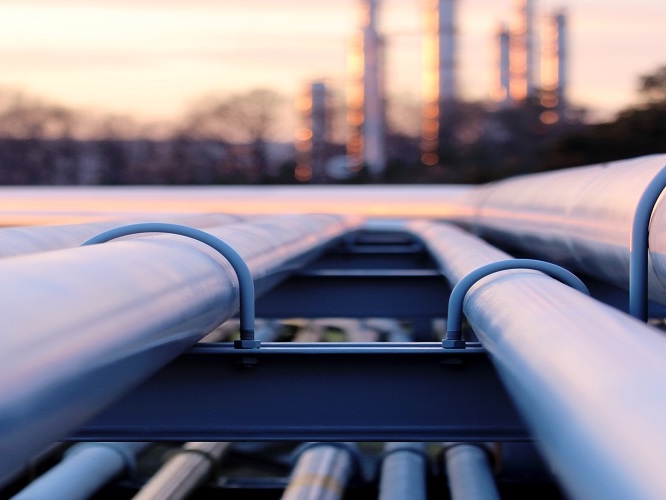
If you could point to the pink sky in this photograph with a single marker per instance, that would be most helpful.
(152, 58)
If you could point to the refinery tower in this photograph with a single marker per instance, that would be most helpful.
(439, 81)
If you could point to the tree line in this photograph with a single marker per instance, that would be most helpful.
(227, 140)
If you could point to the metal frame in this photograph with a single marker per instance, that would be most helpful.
(317, 392)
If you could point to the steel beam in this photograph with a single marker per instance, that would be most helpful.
(316, 392)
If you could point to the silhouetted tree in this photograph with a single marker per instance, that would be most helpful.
(245, 119)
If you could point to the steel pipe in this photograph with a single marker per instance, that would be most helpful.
(588, 379)
(469, 473)
(321, 472)
(84, 470)
(184, 472)
(581, 218)
(32, 239)
(404, 471)
(83, 326)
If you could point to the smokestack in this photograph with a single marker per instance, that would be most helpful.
(522, 50)
(312, 135)
(439, 79)
(553, 68)
(502, 90)
(374, 134)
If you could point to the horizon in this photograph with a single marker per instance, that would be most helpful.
(152, 60)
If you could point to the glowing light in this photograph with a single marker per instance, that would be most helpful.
(549, 117)
(429, 159)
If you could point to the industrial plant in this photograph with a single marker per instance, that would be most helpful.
(517, 82)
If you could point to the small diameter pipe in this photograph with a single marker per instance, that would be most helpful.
(638, 248)
(85, 469)
(322, 472)
(469, 473)
(403, 474)
(184, 472)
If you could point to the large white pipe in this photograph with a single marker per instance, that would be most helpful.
(580, 218)
(31, 239)
(588, 379)
(83, 326)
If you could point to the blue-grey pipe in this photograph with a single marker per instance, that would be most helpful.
(404, 472)
(84, 470)
(321, 472)
(469, 473)
(16, 241)
(588, 380)
(83, 326)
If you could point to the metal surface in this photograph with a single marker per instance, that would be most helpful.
(469, 472)
(638, 258)
(321, 472)
(243, 274)
(84, 470)
(25, 240)
(403, 473)
(580, 218)
(184, 472)
(454, 316)
(314, 392)
(21, 205)
(587, 379)
(85, 325)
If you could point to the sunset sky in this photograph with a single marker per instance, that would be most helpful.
(152, 58)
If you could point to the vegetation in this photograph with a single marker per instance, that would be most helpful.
(227, 139)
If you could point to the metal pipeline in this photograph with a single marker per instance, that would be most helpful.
(587, 379)
(85, 469)
(404, 471)
(83, 326)
(321, 472)
(469, 473)
(184, 472)
(33, 239)
(580, 218)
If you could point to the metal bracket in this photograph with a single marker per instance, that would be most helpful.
(454, 318)
(638, 248)
(245, 281)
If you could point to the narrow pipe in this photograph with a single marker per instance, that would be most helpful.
(245, 282)
(184, 472)
(577, 370)
(639, 254)
(581, 218)
(84, 470)
(454, 316)
(321, 472)
(469, 473)
(33, 239)
(404, 471)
